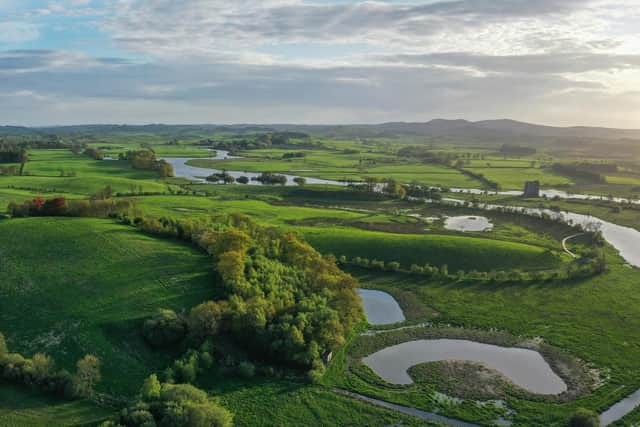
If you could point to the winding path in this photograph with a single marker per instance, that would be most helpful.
(564, 244)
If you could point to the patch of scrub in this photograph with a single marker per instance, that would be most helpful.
(523, 367)
(468, 223)
(380, 307)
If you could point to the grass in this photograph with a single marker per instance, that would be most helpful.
(595, 319)
(94, 283)
(281, 403)
(76, 286)
(514, 178)
(339, 166)
(27, 408)
(457, 252)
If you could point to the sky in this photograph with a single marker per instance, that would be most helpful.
(557, 62)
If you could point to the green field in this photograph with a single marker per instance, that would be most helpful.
(72, 286)
(349, 167)
(466, 253)
(587, 318)
(91, 282)
(49, 171)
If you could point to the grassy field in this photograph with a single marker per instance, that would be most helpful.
(457, 252)
(94, 283)
(72, 286)
(26, 408)
(49, 171)
(350, 167)
(514, 178)
(76, 286)
(587, 318)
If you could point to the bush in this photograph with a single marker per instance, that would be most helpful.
(165, 328)
(584, 418)
(393, 266)
(246, 370)
(3, 346)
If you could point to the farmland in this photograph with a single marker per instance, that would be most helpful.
(88, 278)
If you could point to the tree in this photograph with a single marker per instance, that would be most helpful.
(204, 319)
(300, 181)
(231, 267)
(242, 180)
(207, 414)
(164, 328)
(246, 369)
(42, 367)
(394, 189)
(55, 207)
(3, 346)
(165, 169)
(151, 388)
(584, 418)
(87, 375)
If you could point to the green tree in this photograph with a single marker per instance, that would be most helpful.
(584, 418)
(204, 319)
(165, 328)
(87, 375)
(151, 388)
(4, 349)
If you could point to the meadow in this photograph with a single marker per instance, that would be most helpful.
(587, 318)
(71, 286)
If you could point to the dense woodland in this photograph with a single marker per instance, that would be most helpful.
(285, 302)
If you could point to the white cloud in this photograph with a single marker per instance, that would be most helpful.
(375, 61)
(18, 32)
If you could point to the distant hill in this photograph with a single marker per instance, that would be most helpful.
(459, 130)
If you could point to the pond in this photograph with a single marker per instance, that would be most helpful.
(524, 368)
(468, 223)
(182, 170)
(380, 307)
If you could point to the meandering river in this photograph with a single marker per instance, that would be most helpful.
(182, 170)
(525, 368)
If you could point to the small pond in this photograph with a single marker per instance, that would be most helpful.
(380, 307)
(525, 368)
(468, 223)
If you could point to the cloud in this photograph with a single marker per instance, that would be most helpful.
(197, 27)
(553, 63)
(257, 93)
(18, 32)
(331, 61)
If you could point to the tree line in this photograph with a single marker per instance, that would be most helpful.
(285, 302)
(592, 262)
(40, 372)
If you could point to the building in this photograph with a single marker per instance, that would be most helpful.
(531, 189)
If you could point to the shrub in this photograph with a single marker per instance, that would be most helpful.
(3, 346)
(246, 369)
(393, 266)
(150, 388)
(163, 329)
(87, 375)
(584, 418)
